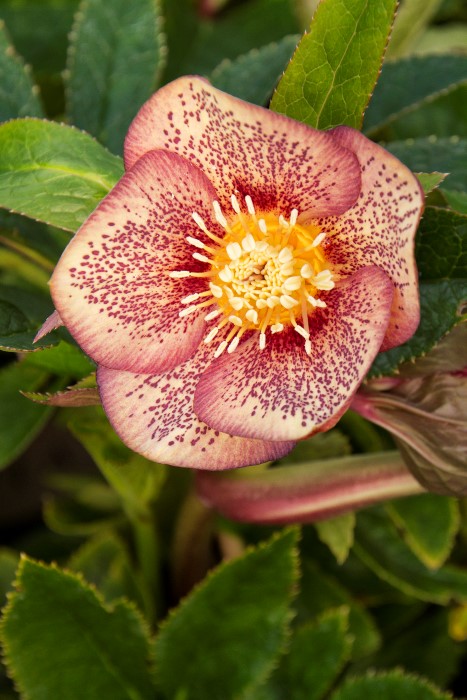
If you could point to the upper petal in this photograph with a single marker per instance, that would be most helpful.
(111, 286)
(282, 164)
(153, 415)
(280, 392)
(380, 229)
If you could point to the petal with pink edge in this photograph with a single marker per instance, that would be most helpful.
(281, 393)
(248, 150)
(112, 286)
(380, 229)
(153, 415)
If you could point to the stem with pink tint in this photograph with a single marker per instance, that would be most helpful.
(307, 492)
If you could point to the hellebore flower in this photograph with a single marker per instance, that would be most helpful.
(236, 284)
(426, 411)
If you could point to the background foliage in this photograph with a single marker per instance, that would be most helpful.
(365, 605)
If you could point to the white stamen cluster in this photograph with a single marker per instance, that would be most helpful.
(257, 279)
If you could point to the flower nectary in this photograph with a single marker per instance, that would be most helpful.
(236, 284)
(264, 274)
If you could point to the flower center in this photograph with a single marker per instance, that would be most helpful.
(266, 274)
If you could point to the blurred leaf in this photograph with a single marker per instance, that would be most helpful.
(18, 94)
(315, 658)
(442, 305)
(116, 55)
(238, 29)
(320, 592)
(136, 479)
(338, 534)
(411, 20)
(456, 200)
(64, 359)
(441, 658)
(53, 172)
(441, 245)
(22, 312)
(336, 65)
(446, 155)
(59, 639)
(181, 26)
(442, 38)
(321, 446)
(32, 236)
(242, 611)
(389, 686)
(404, 86)
(66, 516)
(8, 565)
(104, 562)
(20, 419)
(382, 550)
(429, 525)
(458, 623)
(439, 115)
(254, 75)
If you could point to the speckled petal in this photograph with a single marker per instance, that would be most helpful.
(112, 286)
(282, 164)
(281, 392)
(153, 415)
(380, 229)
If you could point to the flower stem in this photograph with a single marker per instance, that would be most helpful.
(307, 492)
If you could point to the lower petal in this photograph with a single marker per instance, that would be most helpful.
(281, 393)
(153, 415)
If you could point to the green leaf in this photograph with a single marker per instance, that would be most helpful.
(456, 200)
(136, 479)
(378, 545)
(442, 306)
(320, 592)
(64, 359)
(338, 534)
(441, 245)
(20, 419)
(445, 155)
(389, 686)
(60, 639)
(430, 181)
(335, 68)
(66, 516)
(442, 38)
(116, 55)
(18, 94)
(429, 525)
(241, 611)
(411, 20)
(315, 658)
(404, 86)
(253, 76)
(53, 172)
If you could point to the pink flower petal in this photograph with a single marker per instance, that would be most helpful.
(153, 415)
(380, 229)
(282, 164)
(281, 392)
(112, 286)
